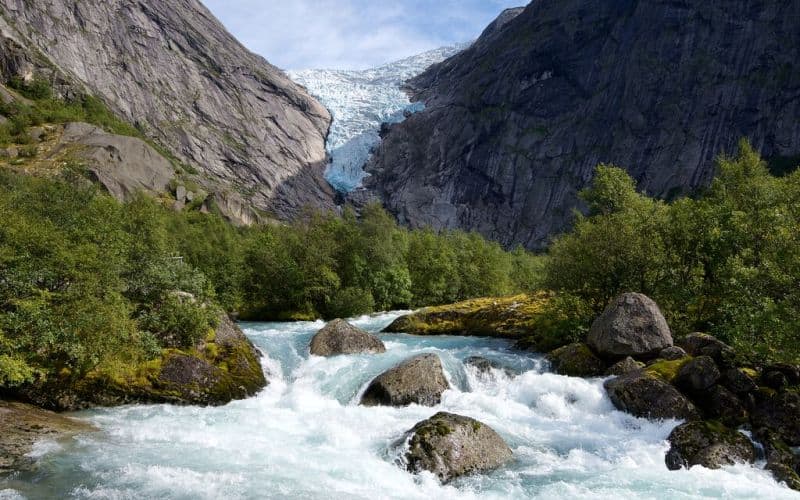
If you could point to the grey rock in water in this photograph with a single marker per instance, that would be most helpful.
(644, 395)
(340, 337)
(632, 325)
(419, 380)
(171, 69)
(515, 125)
(451, 446)
(22, 425)
(708, 444)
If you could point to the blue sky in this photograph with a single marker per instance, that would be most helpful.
(352, 34)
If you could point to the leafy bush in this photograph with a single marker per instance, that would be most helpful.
(727, 263)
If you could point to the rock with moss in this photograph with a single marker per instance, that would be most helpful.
(698, 374)
(625, 366)
(340, 337)
(672, 353)
(632, 325)
(507, 317)
(22, 425)
(709, 444)
(419, 380)
(702, 344)
(780, 412)
(738, 381)
(451, 446)
(782, 462)
(719, 403)
(645, 395)
(221, 368)
(576, 360)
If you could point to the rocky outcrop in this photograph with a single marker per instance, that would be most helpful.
(21, 426)
(450, 446)
(702, 344)
(708, 444)
(123, 165)
(632, 325)
(419, 380)
(508, 317)
(340, 337)
(781, 413)
(576, 360)
(221, 368)
(644, 395)
(172, 70)
(515, 125)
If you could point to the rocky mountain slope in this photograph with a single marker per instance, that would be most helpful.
(515, 125)
(171, 69)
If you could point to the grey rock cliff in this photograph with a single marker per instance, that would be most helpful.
(171, 69)
(515, 125)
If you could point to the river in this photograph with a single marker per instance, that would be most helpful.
(305, 436)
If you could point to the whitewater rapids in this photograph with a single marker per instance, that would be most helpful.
(305, 436)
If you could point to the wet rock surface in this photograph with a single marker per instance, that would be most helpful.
(340, 337)
(419, 380)
(450, 446)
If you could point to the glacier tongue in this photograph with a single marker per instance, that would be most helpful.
(360, 100)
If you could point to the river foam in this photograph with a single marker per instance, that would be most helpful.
(304, 436)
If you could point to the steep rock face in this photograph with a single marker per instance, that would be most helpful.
(515, 125)
(173, 70)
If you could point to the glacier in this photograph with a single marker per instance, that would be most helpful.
(360, 101)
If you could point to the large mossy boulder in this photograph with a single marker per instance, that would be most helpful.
(450, 446)
(632, 325)
(340, 337)
(221, 368)
(709, 444)
(419, 380)
(576, 360)
(644, 395)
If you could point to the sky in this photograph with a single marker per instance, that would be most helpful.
(352, 34)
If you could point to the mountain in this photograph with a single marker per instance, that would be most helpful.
(514, 126)
(360, 101)
(255, 138)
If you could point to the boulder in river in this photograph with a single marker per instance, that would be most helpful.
(709, 444)
(632, 325)
(418, 380)
(781, 413)
(340, 337)
(22, 425)
(576, 360)
(450, 446)
(645, 395)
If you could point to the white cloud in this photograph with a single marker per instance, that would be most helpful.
(297, 34)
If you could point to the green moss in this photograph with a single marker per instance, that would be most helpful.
(510, 317)
(476, 426)
(667, 370)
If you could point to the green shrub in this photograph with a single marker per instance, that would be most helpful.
(350, 302)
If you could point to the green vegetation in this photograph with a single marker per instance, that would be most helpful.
(90, 285)
(727, 263)
(41, 106)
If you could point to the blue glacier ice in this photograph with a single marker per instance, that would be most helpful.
(360, 100)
